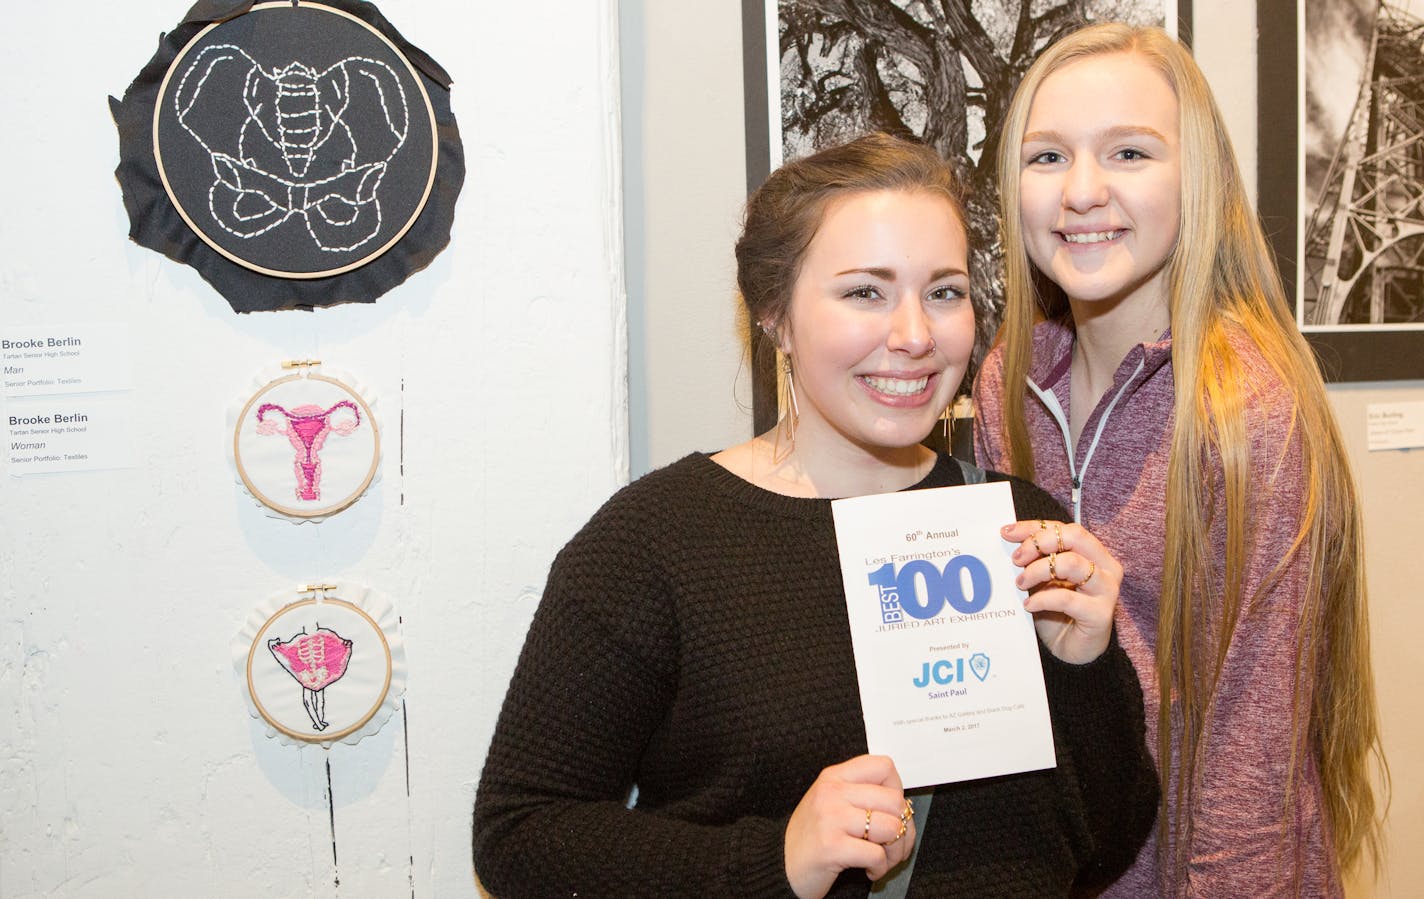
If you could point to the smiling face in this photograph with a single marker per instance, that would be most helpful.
(880, 327)
(1100, 179)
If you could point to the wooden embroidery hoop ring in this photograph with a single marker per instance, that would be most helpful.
(271, 503)
(321, 737)
(395, 238)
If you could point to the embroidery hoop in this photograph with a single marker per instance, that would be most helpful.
(163, 97)
(279, 613)
(154, 223)
(238, 416)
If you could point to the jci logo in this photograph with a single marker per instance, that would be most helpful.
(951, 671)
(963, 583)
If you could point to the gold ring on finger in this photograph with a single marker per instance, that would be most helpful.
(905, 815)
(1058, 532)
(1034, 538)
(1052, 565)
(1092, 567)
(866, 835)
(901, 833)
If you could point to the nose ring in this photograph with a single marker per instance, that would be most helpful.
(932, 346)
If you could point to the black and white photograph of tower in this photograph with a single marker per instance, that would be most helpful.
(1362, 166)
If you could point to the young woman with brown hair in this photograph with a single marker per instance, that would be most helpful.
(693, 638)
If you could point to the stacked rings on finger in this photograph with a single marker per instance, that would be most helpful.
(905, 817)
(1058, 532)
(1042, 526)
(1092, 567)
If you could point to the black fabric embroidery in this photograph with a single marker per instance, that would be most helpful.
(157, 224)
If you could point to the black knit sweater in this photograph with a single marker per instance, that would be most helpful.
(693, 640)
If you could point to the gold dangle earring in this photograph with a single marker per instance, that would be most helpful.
(790, 415)
(961, 409)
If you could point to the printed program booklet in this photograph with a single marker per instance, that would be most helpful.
(950, 677)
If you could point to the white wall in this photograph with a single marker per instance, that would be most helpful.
(128, 763)
(1391, 491)
(684, 185)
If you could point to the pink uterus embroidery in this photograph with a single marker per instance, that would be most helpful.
(307, 426)
(316, 661)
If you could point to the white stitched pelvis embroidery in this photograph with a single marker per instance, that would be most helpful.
(294, 142)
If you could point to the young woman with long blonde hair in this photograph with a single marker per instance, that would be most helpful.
(1149, 376)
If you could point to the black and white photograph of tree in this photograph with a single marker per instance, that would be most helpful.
(1362, 191)
(942, 71)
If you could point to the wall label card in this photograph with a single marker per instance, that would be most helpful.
(48, 435)
(1392, 426)
(42, 360)
(946, 656)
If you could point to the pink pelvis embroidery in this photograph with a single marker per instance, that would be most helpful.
(316, 661)
(307, 427)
